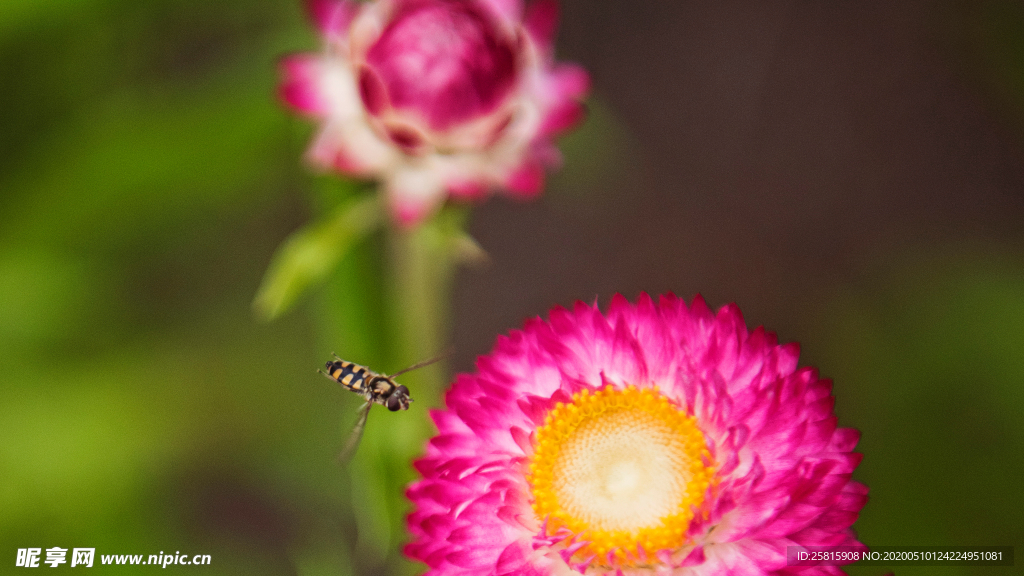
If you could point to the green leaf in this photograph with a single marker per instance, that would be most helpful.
(308, 256)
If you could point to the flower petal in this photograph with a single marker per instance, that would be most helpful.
(332, 17)
(299, 85)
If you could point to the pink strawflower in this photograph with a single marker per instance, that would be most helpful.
(656, 439)
(436, 97)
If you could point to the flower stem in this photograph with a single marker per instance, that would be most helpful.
(418, 271)
(420, 285)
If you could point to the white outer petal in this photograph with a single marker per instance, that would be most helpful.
(347, 128)
(415, 189)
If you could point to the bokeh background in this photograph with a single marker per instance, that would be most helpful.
(851, 173)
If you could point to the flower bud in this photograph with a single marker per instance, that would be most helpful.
(436, 98)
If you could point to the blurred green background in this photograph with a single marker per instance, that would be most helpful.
(851, 174)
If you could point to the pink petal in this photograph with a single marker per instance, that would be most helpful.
(562, 117)
(466, 189)
(472, 557)
(332, 17)
(845, 439)
(300, 87)
(444, 60)
(527, 181)
(541, 21)
(513, 557)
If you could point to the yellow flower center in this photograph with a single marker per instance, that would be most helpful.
(624, 467)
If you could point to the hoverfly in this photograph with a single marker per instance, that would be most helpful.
(375, 389)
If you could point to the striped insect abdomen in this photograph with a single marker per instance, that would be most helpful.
(349, 375)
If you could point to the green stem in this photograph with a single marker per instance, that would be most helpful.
(420, 286)
(418, 273)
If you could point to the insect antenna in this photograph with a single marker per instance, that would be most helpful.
(425, 363)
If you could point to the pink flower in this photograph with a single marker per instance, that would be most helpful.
(436, 97)
(657, 439)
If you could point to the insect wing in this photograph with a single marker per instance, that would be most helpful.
(357, 434)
